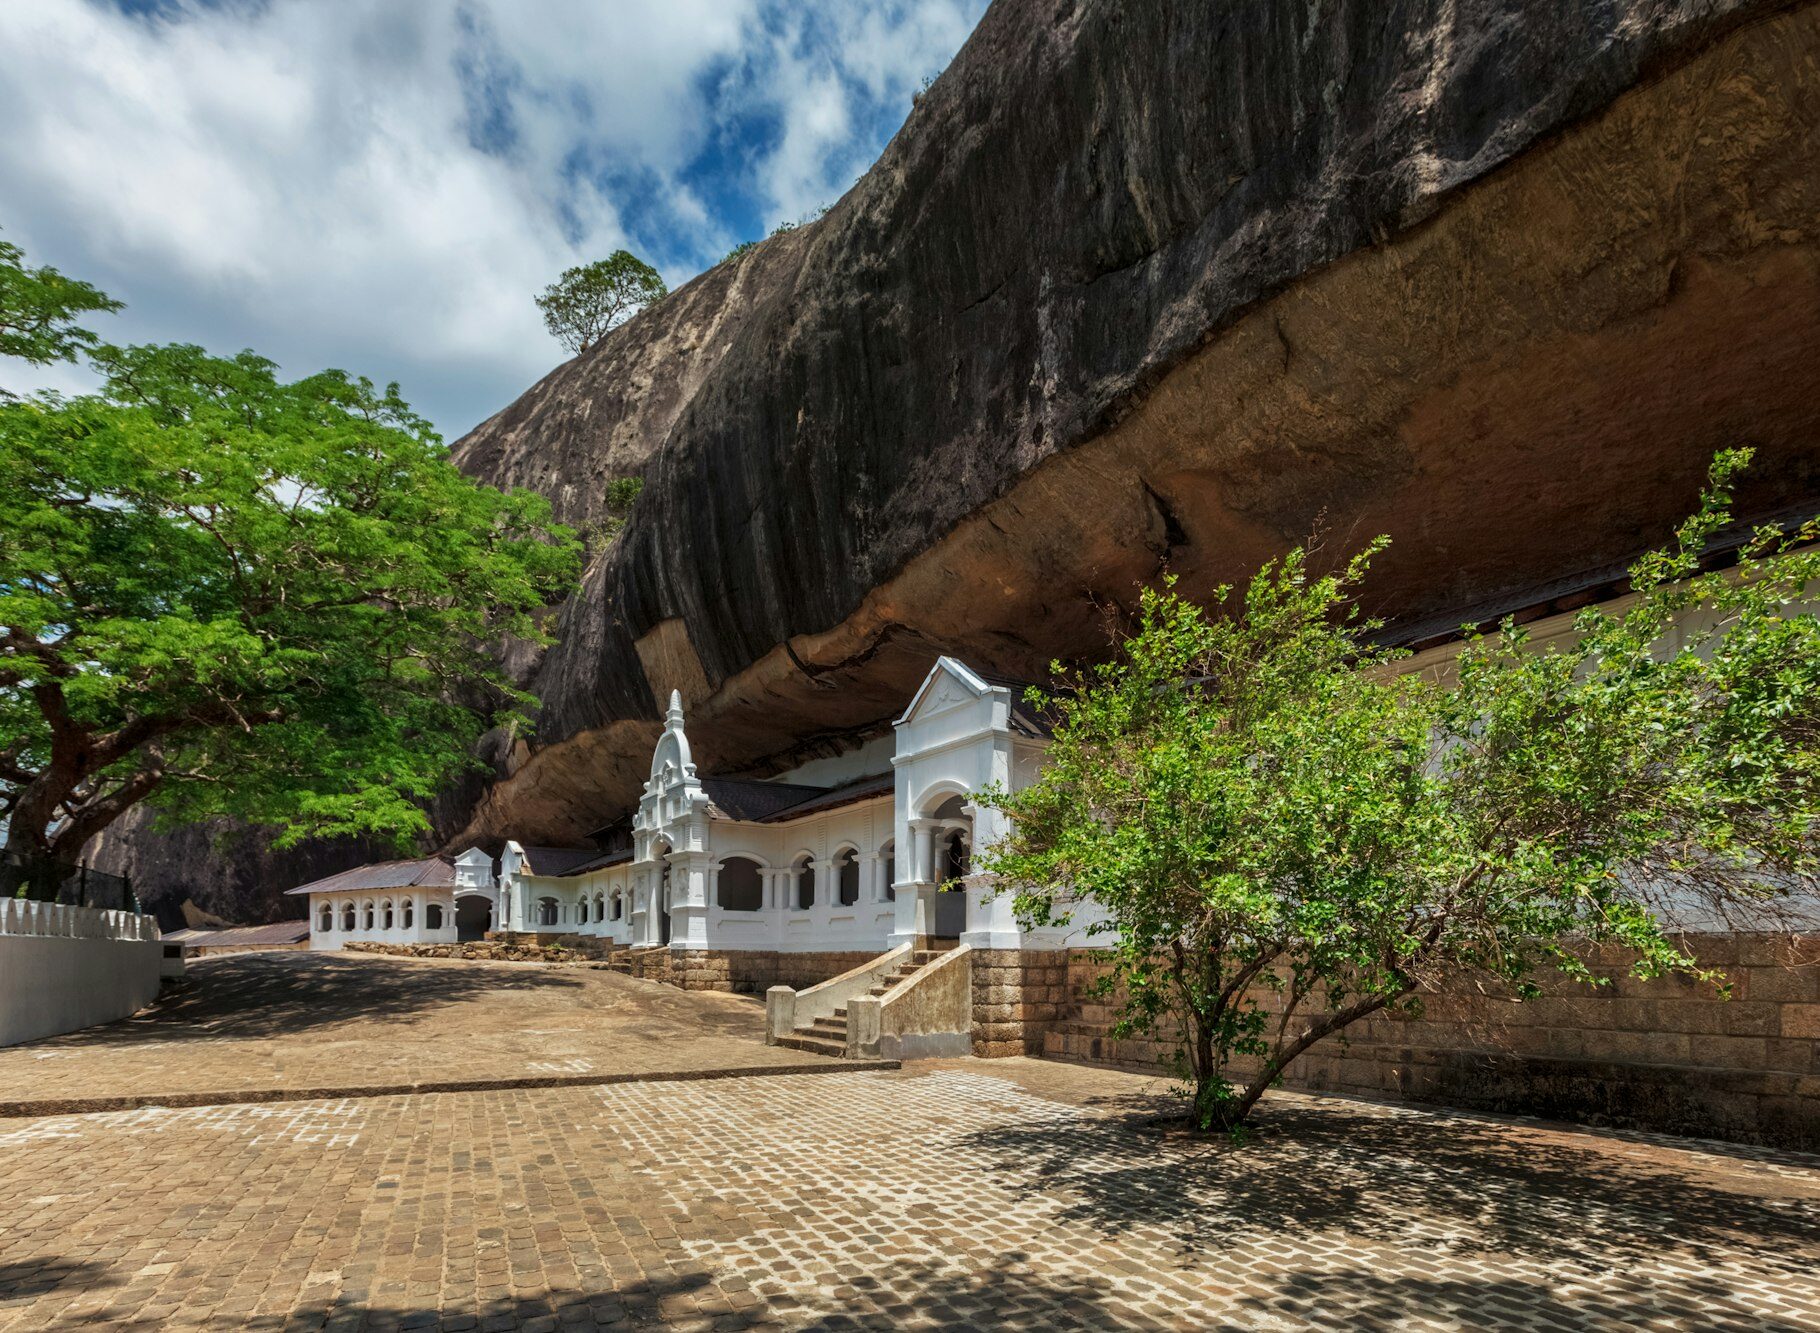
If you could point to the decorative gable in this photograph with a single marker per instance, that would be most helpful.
(950, 684)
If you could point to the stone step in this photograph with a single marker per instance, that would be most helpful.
(828, 1027)
(801, 1040)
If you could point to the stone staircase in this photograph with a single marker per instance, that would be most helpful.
(828, 1035)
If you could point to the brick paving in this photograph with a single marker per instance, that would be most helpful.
(272, 1022)
(975, 1194)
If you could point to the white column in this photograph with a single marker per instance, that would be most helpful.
(871, 879)
(922, 850)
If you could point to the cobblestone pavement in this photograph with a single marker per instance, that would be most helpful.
(1012, 1194)
(337, 1021)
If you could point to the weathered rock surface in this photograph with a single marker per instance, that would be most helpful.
(1148, 285)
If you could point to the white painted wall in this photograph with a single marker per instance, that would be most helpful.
(329, 935)
(64, 968)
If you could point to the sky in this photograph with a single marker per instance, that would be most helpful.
(382, 186)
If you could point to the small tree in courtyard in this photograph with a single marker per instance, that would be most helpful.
(1286, 835)
(591, 300)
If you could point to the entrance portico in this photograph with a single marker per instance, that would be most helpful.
(961, 733)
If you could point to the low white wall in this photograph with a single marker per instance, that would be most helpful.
(63, 968)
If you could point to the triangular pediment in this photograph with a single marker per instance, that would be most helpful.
(950, 684)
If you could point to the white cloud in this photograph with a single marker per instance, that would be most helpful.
(383, 186)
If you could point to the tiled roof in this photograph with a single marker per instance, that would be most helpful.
(430, 870)
(752, 801)
(1025, 720)
(849, 793)
(278, 932)
(557, 861)
(601, 860)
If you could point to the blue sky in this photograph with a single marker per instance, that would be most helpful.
(383, 186)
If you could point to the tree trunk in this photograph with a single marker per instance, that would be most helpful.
(1235, 1113)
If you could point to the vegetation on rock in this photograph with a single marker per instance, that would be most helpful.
(1287, 834)
(229, 595)
(591, 300)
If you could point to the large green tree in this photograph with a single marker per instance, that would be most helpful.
(589, 301)
(39, 309)
(1286, 833)
(233, 595)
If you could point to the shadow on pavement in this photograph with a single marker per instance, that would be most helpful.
(1465, 1185)
(279, 994)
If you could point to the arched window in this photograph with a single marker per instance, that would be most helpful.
(805, 884)
(410, 912)
(739, 887)
(368, 913)
(432, 916)
(619, 906)
(846, 883)
(600, 907)
(385, 913)
(325, 919)
(347, 916)
(547, 909)
(888, 854)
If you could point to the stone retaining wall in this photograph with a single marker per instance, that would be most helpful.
(754, 971)
(1666, 1055)
(1017, 995)
(745, 971)
(480, 951)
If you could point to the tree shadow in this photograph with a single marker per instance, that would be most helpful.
(24, 1278)
(1466, 1185)
(1374, 1303)
(282, 993)
(1009, 1296)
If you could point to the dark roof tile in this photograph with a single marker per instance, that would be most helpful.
(850, 793)
(752, 800)
(428, 871)
(557, 861)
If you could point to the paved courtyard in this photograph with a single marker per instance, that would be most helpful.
(961, 1195)
(334, 1022)
(954, 1194)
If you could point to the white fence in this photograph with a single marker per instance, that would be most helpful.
(63, 967)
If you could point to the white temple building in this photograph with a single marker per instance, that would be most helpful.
(855, 855)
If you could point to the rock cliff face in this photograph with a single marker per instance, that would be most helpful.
(1146, 286)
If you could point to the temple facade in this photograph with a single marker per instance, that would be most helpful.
(847, 857)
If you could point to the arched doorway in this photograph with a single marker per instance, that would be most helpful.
(953, 863)
(473, 917)
(663, 893)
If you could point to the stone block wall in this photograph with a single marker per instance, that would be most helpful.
(1018, 995)
(754, 971)
(741, 971)
(1667, 1055)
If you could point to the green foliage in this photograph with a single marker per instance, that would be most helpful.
(233, 596)
(589, 301)
(38, 310)
(621, 494)
(1287, 834)
(780, 229)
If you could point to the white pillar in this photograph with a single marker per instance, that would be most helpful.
(922, 850)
